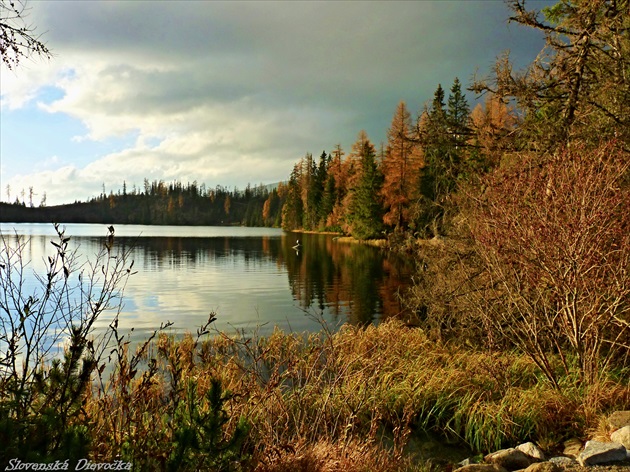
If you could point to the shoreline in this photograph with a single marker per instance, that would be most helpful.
(341, 237)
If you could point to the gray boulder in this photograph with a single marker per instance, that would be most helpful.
(597, 452)
(532, 451)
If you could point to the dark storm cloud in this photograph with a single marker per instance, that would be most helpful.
(240, 90)
(341, 53)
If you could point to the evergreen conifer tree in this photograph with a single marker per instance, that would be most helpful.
(458, 116)
(328, 200)
(443, 133)
(365, 210)
(293, 209)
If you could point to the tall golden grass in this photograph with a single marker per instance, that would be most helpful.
(326, 401)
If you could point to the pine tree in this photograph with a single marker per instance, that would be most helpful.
(435, 137)
(328, 200)
(458, 116)
(317, 176)
(443, 133)
(365, 211)
(325, 202)
(293, 208)
(309, 192)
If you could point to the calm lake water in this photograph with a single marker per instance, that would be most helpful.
(252, 278)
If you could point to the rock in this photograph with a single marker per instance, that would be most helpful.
(622, 436)
(543, 467)
(562, 460)
(531, 450)
(619, 419)
(481, 468)
(598, 452)
(572, 447)
(511, 459)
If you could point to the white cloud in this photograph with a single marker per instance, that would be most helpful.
(206, 150)
(21, 86)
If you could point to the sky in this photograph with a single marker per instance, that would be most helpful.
(227, 93)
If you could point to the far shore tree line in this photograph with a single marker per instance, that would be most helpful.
(161, 203)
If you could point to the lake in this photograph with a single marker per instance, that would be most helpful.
(253, 278)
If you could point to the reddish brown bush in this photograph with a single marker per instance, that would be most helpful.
(554, 235)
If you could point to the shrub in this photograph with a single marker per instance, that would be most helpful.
(554, 238)
(41, 393)
(199, 433)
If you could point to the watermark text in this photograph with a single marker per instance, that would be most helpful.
(82, 464)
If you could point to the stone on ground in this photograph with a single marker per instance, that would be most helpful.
(510, 459)
(531, 450)
(622, 436)
(598, 452)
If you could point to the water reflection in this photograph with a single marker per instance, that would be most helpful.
(249, 279)
(350, 280)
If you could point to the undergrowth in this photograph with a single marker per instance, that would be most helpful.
(335, 398)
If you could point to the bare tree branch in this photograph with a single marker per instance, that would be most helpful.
(17, 38)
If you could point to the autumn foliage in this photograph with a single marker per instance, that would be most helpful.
(555, 239)
(401, 168)
(403, 187)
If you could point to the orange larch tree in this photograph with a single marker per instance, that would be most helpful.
(401, 168)
(338, 170)
(493, 125)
